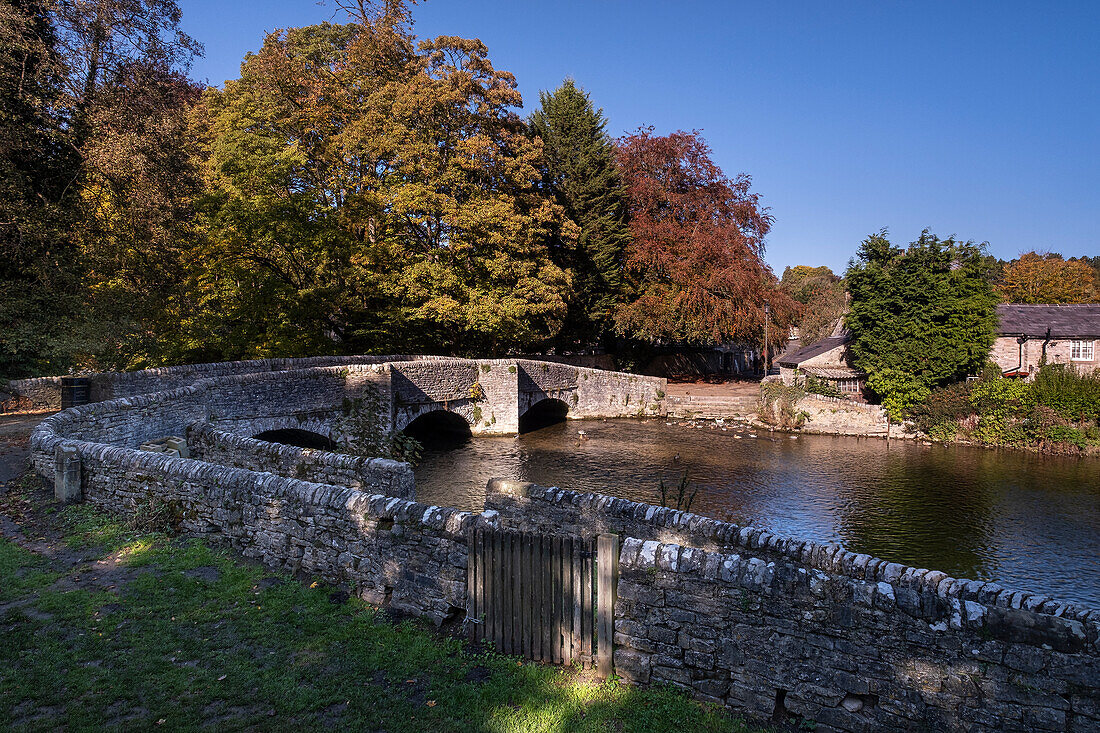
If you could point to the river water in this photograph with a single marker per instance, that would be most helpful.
(1025, 521)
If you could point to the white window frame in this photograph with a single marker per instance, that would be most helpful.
(1082, 350)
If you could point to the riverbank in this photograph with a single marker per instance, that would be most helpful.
(117, 625)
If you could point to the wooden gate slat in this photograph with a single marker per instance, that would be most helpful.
(547, 599)
(575, 636)
(494, 590)
(482, 586)
(588, 618)
(508, 607)
(471, 583)
(607, 560)
(559, 589)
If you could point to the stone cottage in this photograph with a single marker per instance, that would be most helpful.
(826, 360)
(1063, 334)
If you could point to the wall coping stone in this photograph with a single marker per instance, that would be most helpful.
(819, 556)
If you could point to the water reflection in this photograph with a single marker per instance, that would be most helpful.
(1026, 521)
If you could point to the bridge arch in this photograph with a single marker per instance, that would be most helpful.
(439, 428)
(547, 411)
(297, 437)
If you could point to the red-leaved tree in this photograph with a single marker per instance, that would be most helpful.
(696, 261)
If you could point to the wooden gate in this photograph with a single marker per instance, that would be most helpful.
(545, 597)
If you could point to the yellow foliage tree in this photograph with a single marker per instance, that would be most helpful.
(1047, 278)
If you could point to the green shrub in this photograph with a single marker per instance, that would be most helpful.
(943, 432)
(1002, 398)
(821, 387)
(944, 404)
(899, 391)
(1066, 434)
(1072, 395)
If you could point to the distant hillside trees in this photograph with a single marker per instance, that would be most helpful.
(821, 298)
(920, 316)
(1048, 278)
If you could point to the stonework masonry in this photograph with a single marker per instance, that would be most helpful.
(838, 416)
(379, 475)
(771, 626)
(768, 626)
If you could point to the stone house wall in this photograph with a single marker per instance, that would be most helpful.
(776, 627)
(372, 475)
(1007, 353)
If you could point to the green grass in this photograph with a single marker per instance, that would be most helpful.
(176, 633)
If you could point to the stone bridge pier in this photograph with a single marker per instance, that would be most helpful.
(505, 397)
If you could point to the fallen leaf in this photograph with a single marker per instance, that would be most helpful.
(430, 703)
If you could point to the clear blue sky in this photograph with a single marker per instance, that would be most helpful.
(978, 119)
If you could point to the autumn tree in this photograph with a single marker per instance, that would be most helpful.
(921, 316)
(136, 194)
(98, 39)
(1048, 278)
(821, 296)
(696, 259)
(371, 194)
(582, 174)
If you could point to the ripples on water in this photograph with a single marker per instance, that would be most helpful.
(1026, 521)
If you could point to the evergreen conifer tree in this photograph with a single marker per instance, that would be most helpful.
(582, 174)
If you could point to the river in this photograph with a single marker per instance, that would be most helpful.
(1026, 521)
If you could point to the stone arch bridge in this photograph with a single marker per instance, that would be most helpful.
(326, 395)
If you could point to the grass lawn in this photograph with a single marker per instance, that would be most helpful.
(105, 625)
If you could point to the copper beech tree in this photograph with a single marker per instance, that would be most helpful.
(696, 260)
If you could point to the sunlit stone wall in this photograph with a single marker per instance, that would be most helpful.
(787, 629)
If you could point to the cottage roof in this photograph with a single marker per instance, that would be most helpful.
(1080, 320)
(833, 372)
(817, 349)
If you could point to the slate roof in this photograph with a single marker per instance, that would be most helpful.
(833, 372)
(1064, 321)
(809, 352)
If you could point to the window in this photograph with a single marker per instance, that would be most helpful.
(1081, 351)
(848, 386)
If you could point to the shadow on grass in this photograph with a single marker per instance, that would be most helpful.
(176, 633)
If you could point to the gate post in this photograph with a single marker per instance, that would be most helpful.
(607, 558)
(66, 474)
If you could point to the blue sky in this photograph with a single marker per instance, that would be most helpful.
(978, 119)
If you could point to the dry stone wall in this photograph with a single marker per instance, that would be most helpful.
(777, 627)
(407, 555)
(374, 475)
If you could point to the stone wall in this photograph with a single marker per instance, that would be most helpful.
(46, 391)
(36, 393)
(617, 394)
(372, 475)
(837, 416)
(776, 627)
(409, 556)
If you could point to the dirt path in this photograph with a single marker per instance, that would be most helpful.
(15, 435)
